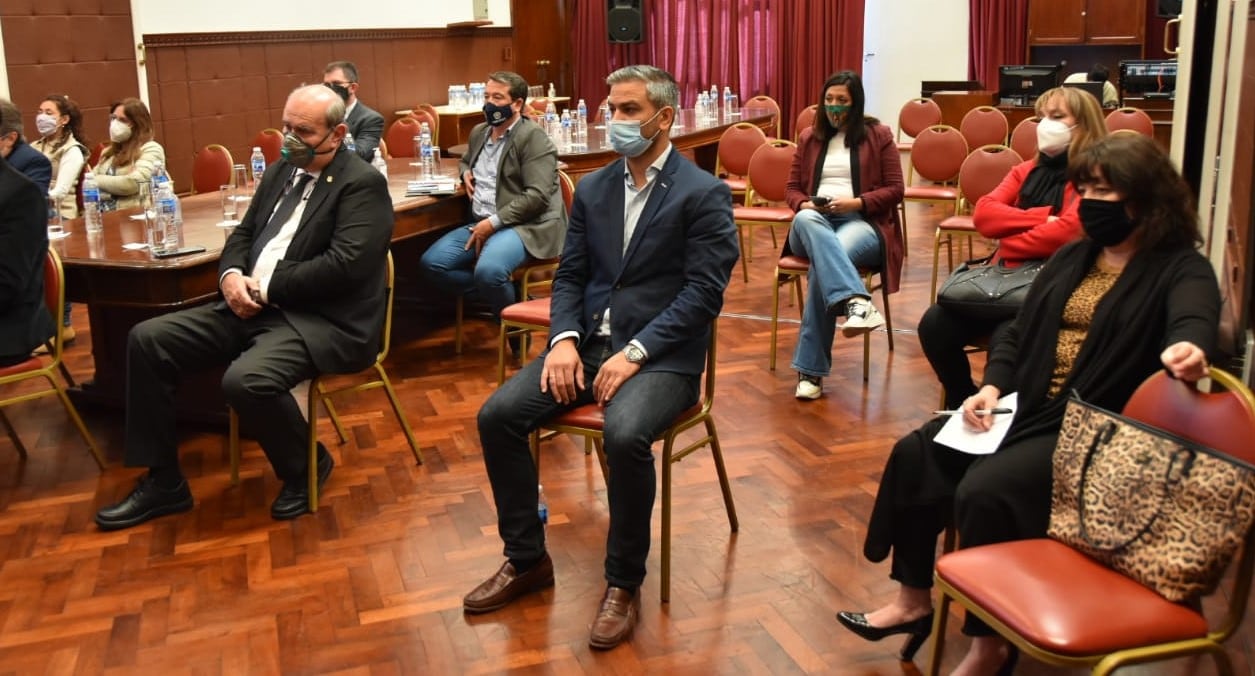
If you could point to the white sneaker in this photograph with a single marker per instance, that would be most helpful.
(809, 387)
(860, 317)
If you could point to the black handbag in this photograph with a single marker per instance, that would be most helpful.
(981, 290)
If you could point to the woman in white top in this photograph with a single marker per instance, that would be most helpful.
(60, 125)
(131, 157)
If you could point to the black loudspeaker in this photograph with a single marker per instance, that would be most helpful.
(625, 21)
(1169, 9)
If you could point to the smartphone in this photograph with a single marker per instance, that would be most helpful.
(171, 253)
(819, 200)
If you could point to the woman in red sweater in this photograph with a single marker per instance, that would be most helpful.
(1031, 214)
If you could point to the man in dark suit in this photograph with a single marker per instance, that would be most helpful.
(650, 247)
(303, 292)
(24, 319)
(19, 154)
(364, 124)
(510, 170)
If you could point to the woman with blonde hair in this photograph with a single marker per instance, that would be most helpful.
(131, 157)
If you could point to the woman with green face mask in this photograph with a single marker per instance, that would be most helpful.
(845, 185)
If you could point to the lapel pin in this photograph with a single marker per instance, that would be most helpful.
(330, 178)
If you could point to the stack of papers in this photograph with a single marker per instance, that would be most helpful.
(443, 185)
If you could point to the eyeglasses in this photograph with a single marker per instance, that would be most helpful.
(119, 118)
(338, 83)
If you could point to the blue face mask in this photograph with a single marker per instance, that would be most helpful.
(626, 139)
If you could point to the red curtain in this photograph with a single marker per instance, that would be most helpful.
(998, 35)
(781, 48)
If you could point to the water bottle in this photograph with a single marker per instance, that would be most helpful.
(581, 110)
(605, 114)
(701, 107)
(427, 163)
(168, 218)
(258, 162)
(552, 92)
(714, 101)
(542, 507)
(730, 106)
(159, 176)
(565, 137)
(380, 163)
(455, 101)
(348, 142)
(91, 204)
(552, 123)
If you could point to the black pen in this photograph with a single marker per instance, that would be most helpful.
(979, 411)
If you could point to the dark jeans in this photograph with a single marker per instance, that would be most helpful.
(644, 406)
(266, 358)
(943, 334)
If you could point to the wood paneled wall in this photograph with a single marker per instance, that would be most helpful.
(225, 87)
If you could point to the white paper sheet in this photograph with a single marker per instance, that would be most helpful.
(957, 435)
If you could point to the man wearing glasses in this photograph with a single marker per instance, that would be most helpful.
(365, 125)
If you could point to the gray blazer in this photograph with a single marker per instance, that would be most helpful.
(529, 198)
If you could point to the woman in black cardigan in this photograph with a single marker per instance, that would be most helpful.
(1106, 312)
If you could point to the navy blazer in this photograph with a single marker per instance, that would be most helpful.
(330, 282)
(32, 163)
(667, 288)
(24, 319)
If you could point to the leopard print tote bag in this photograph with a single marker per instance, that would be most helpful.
(1162, 510)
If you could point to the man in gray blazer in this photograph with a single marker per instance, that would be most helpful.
(510, 171)
(365, 125)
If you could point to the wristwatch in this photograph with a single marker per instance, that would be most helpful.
(634, 353)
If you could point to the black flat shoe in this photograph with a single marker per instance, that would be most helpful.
(293, 499)
(919, 629)
(146, 501)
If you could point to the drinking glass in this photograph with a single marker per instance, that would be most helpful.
(55, 229)
(228, 195)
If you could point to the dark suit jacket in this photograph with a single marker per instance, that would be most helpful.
(330, 283)
(366, 126)
(668, 286)
(529, 198)
(33, 164)
(24, 320)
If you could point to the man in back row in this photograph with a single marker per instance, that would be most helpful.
(303, 293)
(365, 125)
(649, 252)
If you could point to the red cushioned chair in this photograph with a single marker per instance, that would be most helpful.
(1064, 608)
(768, 174)
(211, 168)
(400, 136)
(270, 141)
(1024, 138)
(763, 101)
(805, 120)
(984, 125)
(937, 155)
(732, 160)
(915, 116)
(1133, 119)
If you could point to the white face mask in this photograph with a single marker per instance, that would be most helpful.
(45, 123)
(119, 131)
(1053, 136)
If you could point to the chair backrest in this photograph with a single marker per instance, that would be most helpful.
(1221, 420)
(386, 339)
(1024, 138)
(270, 140)
(400, 136)
(938, 153)
(600, 107)
(383, 149)
(1134, 119)
(736, 146)
(94, 158)
(984, 125)
(805, 119)
(769, 170)
(917, 115)
(211, 168)
(568, 190)
(54, 297)
(764, 101)
(432, 120)
(984, 169)
(433, 117)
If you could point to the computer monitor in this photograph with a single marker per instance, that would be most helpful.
(1094, 89)
(1021, 85)
(1149, 77)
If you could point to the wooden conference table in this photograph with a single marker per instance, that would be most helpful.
(690, 136)
(123, 287)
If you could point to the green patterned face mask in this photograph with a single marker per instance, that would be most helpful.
(837, 110)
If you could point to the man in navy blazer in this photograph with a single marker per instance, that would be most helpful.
(17, 152)
(649, 250)
(303, 290)
(24, 319)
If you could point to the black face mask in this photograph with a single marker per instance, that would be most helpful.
(341, 90)
(497, 115)
(1107, 223)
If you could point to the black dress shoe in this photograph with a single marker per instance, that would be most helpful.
(146, 501)
(507, 584)
(919, 629)
(293, 499)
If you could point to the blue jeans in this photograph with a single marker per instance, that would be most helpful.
(453, 268)
(644, 406)
(836, 245)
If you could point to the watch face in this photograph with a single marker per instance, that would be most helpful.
(634, 354)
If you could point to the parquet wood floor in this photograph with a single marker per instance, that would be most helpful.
(372, 584)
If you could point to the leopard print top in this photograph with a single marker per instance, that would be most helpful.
(1077, 315)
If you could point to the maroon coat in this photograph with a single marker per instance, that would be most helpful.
(877, 173)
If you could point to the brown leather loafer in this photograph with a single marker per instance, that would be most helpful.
(506, 585)
(620, 609)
